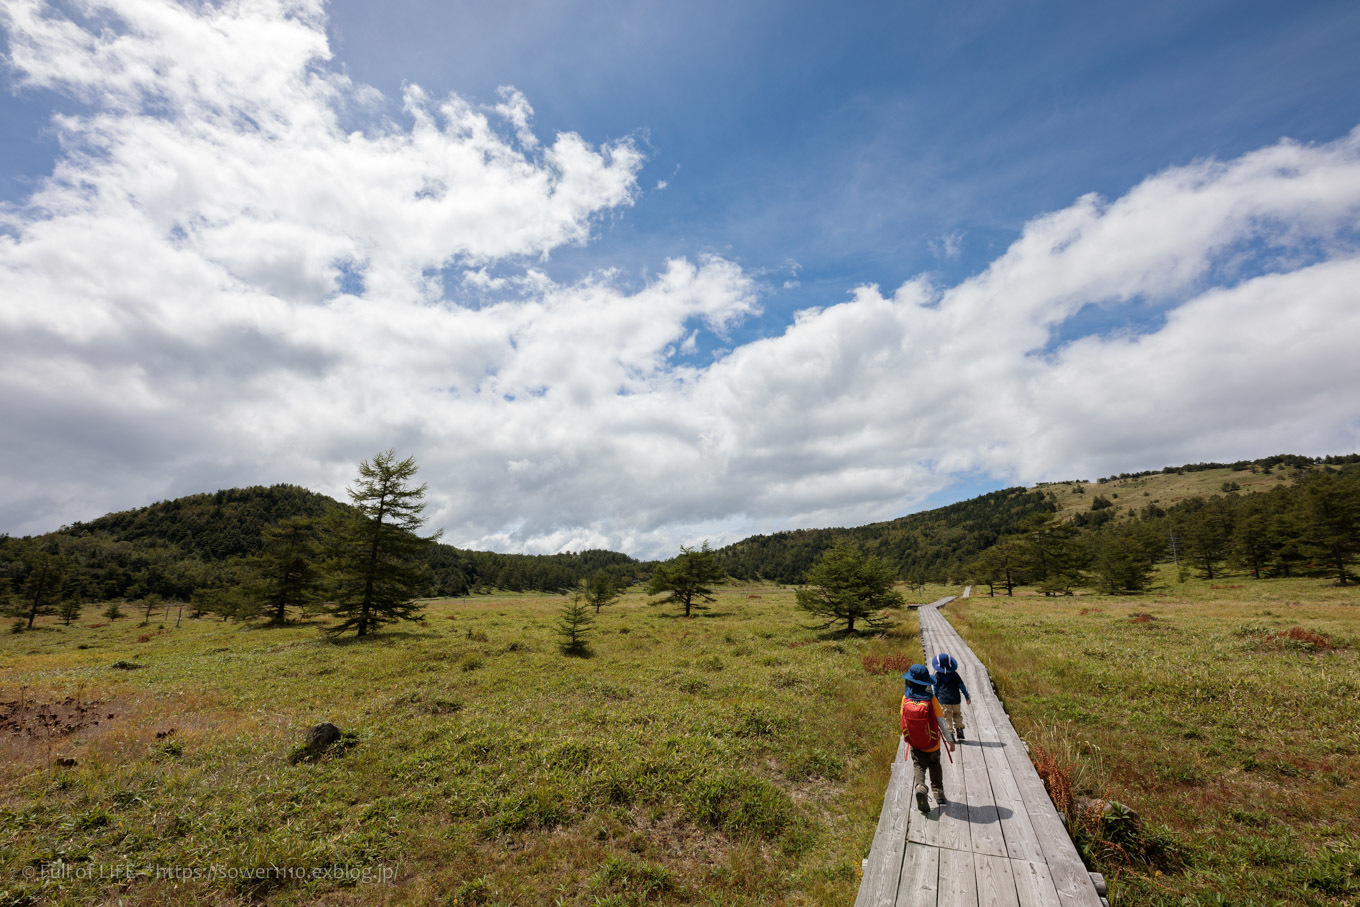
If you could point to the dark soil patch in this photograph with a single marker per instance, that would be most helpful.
(44, 720)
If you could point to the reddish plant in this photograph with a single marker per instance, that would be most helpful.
(1308, 639)
(887, 664)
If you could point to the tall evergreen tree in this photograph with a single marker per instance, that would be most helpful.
(847, 585)
(42, 587)
(289, 574)
(687, 579)
(1253, 543)
(379, 560)
(1119, 561)
(1330, 509)
(1207, 532)
(1004, 564)
(1051, 556)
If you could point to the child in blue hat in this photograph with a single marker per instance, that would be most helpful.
(923, 731)
(950, 689)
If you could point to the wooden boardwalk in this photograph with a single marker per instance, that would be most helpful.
(999, 840)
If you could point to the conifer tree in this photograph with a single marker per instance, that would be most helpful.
(289, 571)
(846, 585)
(574, 624)
(42, 588)
(686, 580)
(378, 558)
(602, 589)
(1331, 512)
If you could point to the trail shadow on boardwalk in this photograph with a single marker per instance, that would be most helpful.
(957, 809)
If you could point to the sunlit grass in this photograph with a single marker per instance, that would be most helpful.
(734, 758)
(1195, 705)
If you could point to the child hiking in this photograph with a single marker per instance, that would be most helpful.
(949, 689)
(923, 731)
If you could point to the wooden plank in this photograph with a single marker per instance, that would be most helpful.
(920, 883)
(984, 825)
(1022, 841)
(885, 855)
(954, 831)
(1033, 884)
(958, 882)
(1073, 884)
(995, 882)
(1068, 874)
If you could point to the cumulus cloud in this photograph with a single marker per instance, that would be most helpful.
(245, 268)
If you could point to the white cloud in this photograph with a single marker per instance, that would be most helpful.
(949, 246)
(246, 269)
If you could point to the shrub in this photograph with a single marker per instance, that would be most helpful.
(741, 805)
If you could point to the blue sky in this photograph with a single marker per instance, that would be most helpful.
(854, 141)
(735, 164)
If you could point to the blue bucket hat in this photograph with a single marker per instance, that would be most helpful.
(944, 663)
(919, 675)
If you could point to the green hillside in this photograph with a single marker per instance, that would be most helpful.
(205, 541)
(935, 543)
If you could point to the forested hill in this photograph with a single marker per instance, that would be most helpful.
(933, 543)
(944, 544)
(215, 526)
(206, 541)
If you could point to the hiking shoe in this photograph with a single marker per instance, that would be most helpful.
(959, 733)
(939, 797)
(922, 803)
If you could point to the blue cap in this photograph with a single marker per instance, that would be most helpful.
(944, 663)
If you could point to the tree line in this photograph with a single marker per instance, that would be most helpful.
(205, 548)
(274, 553)
(1311, 527)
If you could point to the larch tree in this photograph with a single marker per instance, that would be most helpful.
(379, 560)
(289, 575)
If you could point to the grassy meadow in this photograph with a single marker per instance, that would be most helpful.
(733, 758)
(1235, 737)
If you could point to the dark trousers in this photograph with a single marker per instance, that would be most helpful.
(922, 762)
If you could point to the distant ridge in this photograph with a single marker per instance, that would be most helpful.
(939, 544)
(174, 547)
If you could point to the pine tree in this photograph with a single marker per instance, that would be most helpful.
(379, 560)
(847, 585)
(69, 609)
(42, 588)
(686, 580)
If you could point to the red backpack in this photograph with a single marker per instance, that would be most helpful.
(918, 724)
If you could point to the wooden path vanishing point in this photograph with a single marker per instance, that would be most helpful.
(999, 840)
